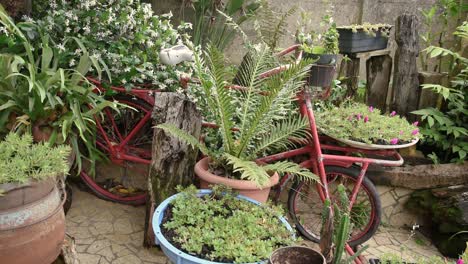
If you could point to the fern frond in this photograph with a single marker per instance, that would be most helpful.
(249, 77)
(292, 168)
(249, 170)
(281, 90)
(185, 137)
(278, 137)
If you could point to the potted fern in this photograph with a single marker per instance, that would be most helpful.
(252, 121)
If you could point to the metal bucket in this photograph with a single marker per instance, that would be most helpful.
(33, 233)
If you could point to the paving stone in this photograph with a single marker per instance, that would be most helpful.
(85, 241)
(98, 245)
(104, 261)
(128, 259)
(402, 192)
(88, 258)
(81, 248)
(80, 232)
(382, 240)
(107, 253)
(123, 226)
(124, 252)
(387, 200)
(152, 254)
(103, 228)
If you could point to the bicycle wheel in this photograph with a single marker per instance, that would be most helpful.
(122, 180)
(305, 205)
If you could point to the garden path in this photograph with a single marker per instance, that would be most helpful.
(107, 232)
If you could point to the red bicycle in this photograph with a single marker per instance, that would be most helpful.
(126, 139)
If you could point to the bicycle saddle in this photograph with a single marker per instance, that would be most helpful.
(175, 55)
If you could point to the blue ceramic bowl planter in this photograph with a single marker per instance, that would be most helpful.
(176, 255)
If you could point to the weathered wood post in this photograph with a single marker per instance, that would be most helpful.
(349, 69)
(405, 77)
(17, 8)
(379, 70)
(172, 160)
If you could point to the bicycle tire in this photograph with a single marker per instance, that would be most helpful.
(351, 174)
(91, 182)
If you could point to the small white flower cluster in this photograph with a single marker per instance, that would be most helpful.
(125, 34)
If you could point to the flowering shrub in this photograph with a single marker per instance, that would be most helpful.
(124, 34)
(361, 123)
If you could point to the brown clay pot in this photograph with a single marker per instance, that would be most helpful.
(246, 188)
(33, 233)
(16, 194)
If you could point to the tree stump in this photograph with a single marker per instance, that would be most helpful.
(17, 8)
(379, 70)
(172, 160)
(405, 76)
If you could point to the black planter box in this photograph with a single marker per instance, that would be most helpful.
(360, 41)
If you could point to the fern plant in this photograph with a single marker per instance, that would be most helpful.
(253, 111)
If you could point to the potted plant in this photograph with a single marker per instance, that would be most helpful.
(363, 38)
(204, 226)
(362, 126)
(38, 96)
(32, 221)
(322, 47)
(252, 119)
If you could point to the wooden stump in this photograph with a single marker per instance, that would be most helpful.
(68, 254)
(172, 160)
(17, 8)
(405, 76)
(379, 70)
(427, 97)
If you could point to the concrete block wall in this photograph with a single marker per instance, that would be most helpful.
(345, 12)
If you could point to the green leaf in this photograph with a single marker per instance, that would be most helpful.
(430, 121)
(249, 170)
(47, 55)
(185, 137)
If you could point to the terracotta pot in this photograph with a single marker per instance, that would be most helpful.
(33, 233)
(246, 188)
(21, 194)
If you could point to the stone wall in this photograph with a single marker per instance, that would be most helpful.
(345, 12)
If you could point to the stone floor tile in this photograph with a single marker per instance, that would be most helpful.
(128, 259)
(88, 258)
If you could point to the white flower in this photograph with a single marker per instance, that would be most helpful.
(67, 30)
(4, 31)
(87, 30)
(61, 47)
(123, 81)
(72, 62)
(150, 43)
(77, 51)
(127, 69)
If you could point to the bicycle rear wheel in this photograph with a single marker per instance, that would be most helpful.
(305, 205)
(122, 180)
